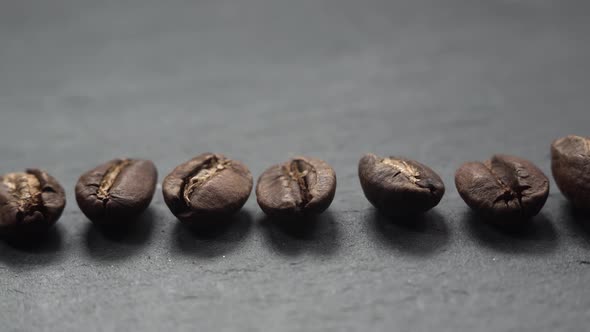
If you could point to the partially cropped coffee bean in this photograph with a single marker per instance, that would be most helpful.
(300, 186)
(398, 186)
(207, 187)
(570, 164)
(30, 202)
(504, 188)
(117, 192)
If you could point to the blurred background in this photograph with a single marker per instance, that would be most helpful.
(82, 82)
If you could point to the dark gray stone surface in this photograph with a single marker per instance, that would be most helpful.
(261, 80)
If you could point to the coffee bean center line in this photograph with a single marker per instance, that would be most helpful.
(586, 147)
(109, 179)
(404, 168)
(200, 175)
(298, 172)
(26, 189)
(508, 193)
(511, 191)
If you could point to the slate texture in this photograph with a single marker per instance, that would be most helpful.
(443, 82)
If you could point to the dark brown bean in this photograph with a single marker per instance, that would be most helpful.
(118, 191)
(300, 186)
(207, 186)
(30, 202)
(504, 188)
(570, 164)
(398, 186)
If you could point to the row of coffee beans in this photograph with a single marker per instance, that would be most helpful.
(504, 189)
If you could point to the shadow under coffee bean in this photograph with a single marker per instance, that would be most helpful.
(300, 186)
(207, 188)
(503, 189)
(399, 186)
(117, 192)
(30, 202)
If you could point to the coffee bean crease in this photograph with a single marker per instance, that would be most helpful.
(404, 168)
(298, 172)
(514, 190)
(26, 190)
(109, 179)
(210, 168)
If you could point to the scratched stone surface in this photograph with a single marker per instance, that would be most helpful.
(442, 82)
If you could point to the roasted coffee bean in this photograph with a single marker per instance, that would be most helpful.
(207, 187)
(570, 164)
(398, 186)
(504, 188)
(300, 186)
(30, 202)
(117, 192)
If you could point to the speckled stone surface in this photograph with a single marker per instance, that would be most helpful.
(442, 82)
